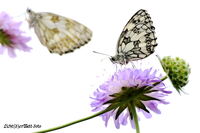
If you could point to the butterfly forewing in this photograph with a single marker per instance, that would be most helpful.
(59, 34)
(137, 40)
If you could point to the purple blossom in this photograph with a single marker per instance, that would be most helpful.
(11, 37)
(131, 79)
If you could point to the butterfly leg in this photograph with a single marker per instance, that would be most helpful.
(115, 67)
(133, 65)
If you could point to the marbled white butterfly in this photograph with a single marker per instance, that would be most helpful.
(137, 40)
(59, 34)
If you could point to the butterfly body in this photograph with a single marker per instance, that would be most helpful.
(137, 40)
(119, 59)
(59, 34)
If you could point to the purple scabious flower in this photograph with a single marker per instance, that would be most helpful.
(128, 88)
(11, 37)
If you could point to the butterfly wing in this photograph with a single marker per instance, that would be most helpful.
(59, 34)
(137, 40)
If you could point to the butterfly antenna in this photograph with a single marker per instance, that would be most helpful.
(101, 53)
(133, 65)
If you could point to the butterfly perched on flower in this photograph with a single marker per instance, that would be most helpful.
(59, 34)
(137, 40)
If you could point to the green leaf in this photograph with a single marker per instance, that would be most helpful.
(140, 105)
(147, 98)
(114, 100)
(150, 91)
(112, 107)
(120, 110)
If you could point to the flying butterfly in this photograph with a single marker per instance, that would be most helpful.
(137, 40)
(59, 34)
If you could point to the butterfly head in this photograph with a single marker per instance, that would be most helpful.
(31, 17)
(28, 10)
(119, 59)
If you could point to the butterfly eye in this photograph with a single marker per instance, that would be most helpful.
(113, 59)
(28, 10)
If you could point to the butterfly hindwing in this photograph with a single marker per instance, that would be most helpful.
(137, 40)
(59, 34)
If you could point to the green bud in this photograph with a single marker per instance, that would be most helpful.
(177, 70)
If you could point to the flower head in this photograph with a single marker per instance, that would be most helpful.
(11, 37)
(178, 71)
(127, 88)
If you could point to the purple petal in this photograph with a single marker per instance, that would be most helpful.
(124, 119)
(117, 125)
(11, 52)
(105, 118)
(153, 107)
(1, 49)
(147, 115)
(132, 123)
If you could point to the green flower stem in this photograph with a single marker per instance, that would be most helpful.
(162, 79)
(135, 117)
(161, 61)
(72, 123)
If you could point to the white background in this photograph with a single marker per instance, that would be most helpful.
(48, 89)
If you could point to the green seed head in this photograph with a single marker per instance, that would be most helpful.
(178, 71)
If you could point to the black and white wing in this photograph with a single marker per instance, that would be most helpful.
(137, 40)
